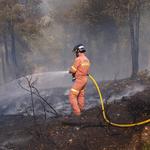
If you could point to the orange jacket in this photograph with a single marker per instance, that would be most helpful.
(80, 66)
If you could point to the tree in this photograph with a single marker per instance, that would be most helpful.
(9, 16)
(129, 11)
(18, 20)
(126, 12)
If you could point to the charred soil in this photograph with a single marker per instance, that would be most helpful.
(90, 132)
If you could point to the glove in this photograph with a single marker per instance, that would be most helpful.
(73, 79)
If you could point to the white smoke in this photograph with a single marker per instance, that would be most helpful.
(12, 96)
(127, 92)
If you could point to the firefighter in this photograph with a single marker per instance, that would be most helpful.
(79, 71)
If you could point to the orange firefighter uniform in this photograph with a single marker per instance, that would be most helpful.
(80, 69)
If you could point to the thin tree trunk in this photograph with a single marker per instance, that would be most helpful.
(132, 34)
(3, 66)
(137, 30)
(134, 21)
(13, 45)
(13, 49)
(33, 107)
(6, 48)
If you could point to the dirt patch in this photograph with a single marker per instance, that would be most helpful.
(90, 132)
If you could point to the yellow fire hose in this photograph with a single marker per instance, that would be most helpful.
(104, 112)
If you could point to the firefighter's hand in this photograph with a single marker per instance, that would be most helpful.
(73, 79)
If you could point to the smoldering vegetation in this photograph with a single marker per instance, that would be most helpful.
(20, 96)
(22, 131)
(42, 39)
(36, 40)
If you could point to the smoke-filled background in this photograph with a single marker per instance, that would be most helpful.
(36, 42)
(47, 31)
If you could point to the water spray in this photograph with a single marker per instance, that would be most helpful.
(63, 72)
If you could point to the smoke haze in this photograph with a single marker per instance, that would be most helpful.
(108, 45)
(64, 24)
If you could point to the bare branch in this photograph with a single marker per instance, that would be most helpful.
(36, 92)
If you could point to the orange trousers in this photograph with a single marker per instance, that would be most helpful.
(77, 95)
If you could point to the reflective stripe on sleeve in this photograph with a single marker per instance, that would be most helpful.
(85, 64)
(73, 68)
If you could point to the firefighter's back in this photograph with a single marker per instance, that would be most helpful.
(83, 68)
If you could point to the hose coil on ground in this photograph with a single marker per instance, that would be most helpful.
(104, 112)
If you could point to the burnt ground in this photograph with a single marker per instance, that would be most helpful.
(90, 132)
